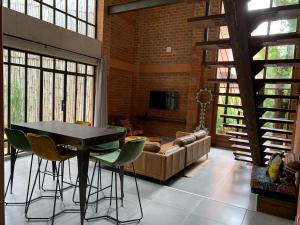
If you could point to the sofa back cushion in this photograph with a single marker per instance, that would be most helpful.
(152, 147)
(200, 134)
(185, 140)
(170, 150)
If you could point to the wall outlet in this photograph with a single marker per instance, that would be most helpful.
(169, 50)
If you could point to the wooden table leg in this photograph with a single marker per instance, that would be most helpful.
(83, 162)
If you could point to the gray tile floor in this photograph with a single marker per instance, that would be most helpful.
(218, 194)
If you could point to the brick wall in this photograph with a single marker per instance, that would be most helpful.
(141, 38)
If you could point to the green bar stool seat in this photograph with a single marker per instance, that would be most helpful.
(129, 152)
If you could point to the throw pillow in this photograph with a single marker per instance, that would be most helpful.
(200, 134)
(291, 167)
(275, 167)
(185, 140)
(152, 147)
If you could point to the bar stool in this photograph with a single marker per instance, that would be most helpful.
(99, 150)
(17, 140)
(129, 152)
(45, 148)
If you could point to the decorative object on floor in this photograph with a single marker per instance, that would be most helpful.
(204, 97)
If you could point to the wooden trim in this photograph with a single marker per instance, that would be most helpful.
(2, 213)
(150, 68)
(121, 65)
(166, 68)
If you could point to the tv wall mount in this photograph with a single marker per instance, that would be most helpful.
(204, 97)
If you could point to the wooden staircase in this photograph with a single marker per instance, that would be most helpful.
(260, 130)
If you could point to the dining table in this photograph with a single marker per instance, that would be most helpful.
(75, 135)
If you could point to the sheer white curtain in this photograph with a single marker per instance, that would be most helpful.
(101, 96)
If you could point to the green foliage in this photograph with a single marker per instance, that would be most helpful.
(17, 102)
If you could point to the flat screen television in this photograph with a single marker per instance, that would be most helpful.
(163, 100)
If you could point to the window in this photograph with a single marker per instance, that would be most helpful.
(75, 15)
(42, 88)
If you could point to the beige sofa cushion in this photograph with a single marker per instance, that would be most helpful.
(152, 147)
(200, 134)
(185, 140)
(169, 150)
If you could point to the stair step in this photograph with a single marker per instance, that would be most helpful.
(276, 120)
(275, 13)
(270, 152)
(276, 39)
(208, 21)
(277, 81)
(236, 133)
(278, 147)
(279, 139)
(241, 126)
(277, 63)
(243, 158)
(228, 94)
(219, 44)
(238, 140)
(230, 106)
(227, 64)
(242, 148)
(277, 110)
(222, 80)
(232, 116)
(241, 153)
(275, 130)
(277, 96)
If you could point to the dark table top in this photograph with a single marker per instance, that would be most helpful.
(70, 130)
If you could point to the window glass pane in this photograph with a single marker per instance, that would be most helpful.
(47, 96)
(81, 68)
(33, 60)
(261, 55)
(281, 52)
(5, 55)
(91, 31)
(33, 8)
(81, 28)
(224, 33)
(5, 95)
(5, 3)
(48, 62)
(91, 11)
(18, 5)
(284, 2)
(283, 26)
(71, 67)
(60, 64)
(61, 4)
(71, 24)
(80, 98)
(262, 29)
(89, 99)
(47, 14)
(17, 57)
(82, 9)
(70, 104)
(17, 94)
(279, 72)
(60, 19)
(225, 55)
(33, 95)
(59, 96)
(49, 2)
(258, 4)
(90, 70)
(72, 5)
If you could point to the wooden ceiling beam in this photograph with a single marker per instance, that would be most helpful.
(236, 17)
